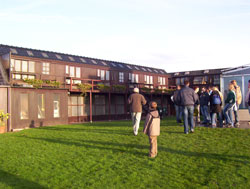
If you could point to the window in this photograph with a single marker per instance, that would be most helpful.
(216, 80)
(148, 79)
(31, 66)
(151, 79)
(200, 80)
(71, 58)
(67, 69)
(128, 66)
(162, 80)
(24, 113)
(93, 61)
(58, 57)
(134, 78)
(56, 104)
(137, 68)
(45, 55)
(78, 72)
(24, 66)
(104, 63)
(107, 75)
(103, 74)
(41, 106)
(121, 65)
(75, 106)
(72, 71)
(178, 81)
(14, 51)
(121, 77)
(18, 65)
(30, 53)
(113, 64)
(84, 61)
(45, 68)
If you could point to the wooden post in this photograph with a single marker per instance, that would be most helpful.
(109, 106)
(90, 106)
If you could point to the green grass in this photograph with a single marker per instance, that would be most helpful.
(107, 155)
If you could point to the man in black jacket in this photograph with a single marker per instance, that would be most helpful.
(204, 100)
(178, 108)
(187, 99)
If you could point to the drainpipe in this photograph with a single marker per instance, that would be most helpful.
(9, 126)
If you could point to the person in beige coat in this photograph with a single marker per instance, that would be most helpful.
(238, 101)
(152, 128)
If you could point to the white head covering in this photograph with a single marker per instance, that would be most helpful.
(136, 90)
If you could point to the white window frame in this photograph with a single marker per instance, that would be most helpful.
(72, 71)
(46, 68)
(121, 77)
(78, 72)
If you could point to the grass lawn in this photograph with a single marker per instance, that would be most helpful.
(107, 155)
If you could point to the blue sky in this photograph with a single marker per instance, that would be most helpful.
(176, 35)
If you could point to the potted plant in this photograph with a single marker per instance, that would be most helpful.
(119, 88)
(103, 87)
(84, 87)
(3, 118)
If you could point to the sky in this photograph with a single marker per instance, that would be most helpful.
(174, 35)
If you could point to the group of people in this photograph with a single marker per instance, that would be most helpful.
(189, 104)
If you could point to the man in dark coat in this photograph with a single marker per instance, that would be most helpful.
(187, 99)
(178, 108)
(204, 101)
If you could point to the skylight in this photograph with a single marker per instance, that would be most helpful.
(129, 67)
(174, 73)
(137, 68)
(143, 69)
(156, 71)
(186, 73)
(30, 53)
(149, 70)
(71, 58)
(45, 55)
(121, 65)
(93, 61)
(13, 51)
(164, 72)
(206, 71)
(104, 63)
(84, 61)
(58, 56)
(113, 64)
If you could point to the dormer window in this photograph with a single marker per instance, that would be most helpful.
(45, 55)
(58, 57)
(30, 53)
(71, 58)
(14, 51)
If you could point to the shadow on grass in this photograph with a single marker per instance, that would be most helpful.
(87, 130)
(17, 182)
(111, 146)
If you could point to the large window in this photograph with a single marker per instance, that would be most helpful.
(41, 106)
(46, 68)
(162, 80)
(121, 77)
(200, 80)
(22, 66)
(148, 79)
(75, 106)
(103, 75)
(24, 100)
(56, 104)
(134, 78)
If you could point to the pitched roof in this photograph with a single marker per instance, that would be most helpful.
(26, 52)
(197, 72)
